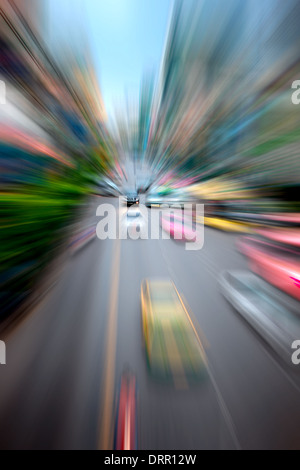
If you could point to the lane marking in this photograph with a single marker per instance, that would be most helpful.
(225, 411)
(107, 410)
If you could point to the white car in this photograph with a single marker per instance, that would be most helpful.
(269, 311)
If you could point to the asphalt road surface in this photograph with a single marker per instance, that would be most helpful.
(66, 357)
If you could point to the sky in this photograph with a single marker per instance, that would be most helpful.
(127, 38)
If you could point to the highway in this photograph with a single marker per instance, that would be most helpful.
(66, 357)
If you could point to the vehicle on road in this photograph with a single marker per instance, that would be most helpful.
(270, 312)
(131, 199)
(179, 227)
(153, 201)
(276, 262)
(173, 346)
(133, 212)
(176, 200)
(226, 225)
(126, 433)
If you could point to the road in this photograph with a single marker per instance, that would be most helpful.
(66, 357)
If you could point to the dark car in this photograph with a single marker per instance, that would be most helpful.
(132, 199)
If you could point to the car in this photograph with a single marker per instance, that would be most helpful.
(174, 350)
(156, 200)
(277, 264)
(126, 434)
(268, 310)
(131, 199)
(226, 225)
(133, 212)
(153, 201)
(283, 236)
(288, 220)
(179, 227)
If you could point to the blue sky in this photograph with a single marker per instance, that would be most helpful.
(127, 38)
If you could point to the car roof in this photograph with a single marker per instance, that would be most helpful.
(164, 300)
(161, 285)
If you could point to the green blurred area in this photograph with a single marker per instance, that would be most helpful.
(36, 212)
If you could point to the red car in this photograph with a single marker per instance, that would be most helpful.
(126, 425)
(286, 236)
(179, 227)
(275, 260)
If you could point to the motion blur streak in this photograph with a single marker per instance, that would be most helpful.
(106, 439)
(143, 344)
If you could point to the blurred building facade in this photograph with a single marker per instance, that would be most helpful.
(54, 146)
(224, 97)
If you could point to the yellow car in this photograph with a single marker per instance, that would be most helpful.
(227, 225)
(173, 347)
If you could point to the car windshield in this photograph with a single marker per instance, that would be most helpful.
(162, 294)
